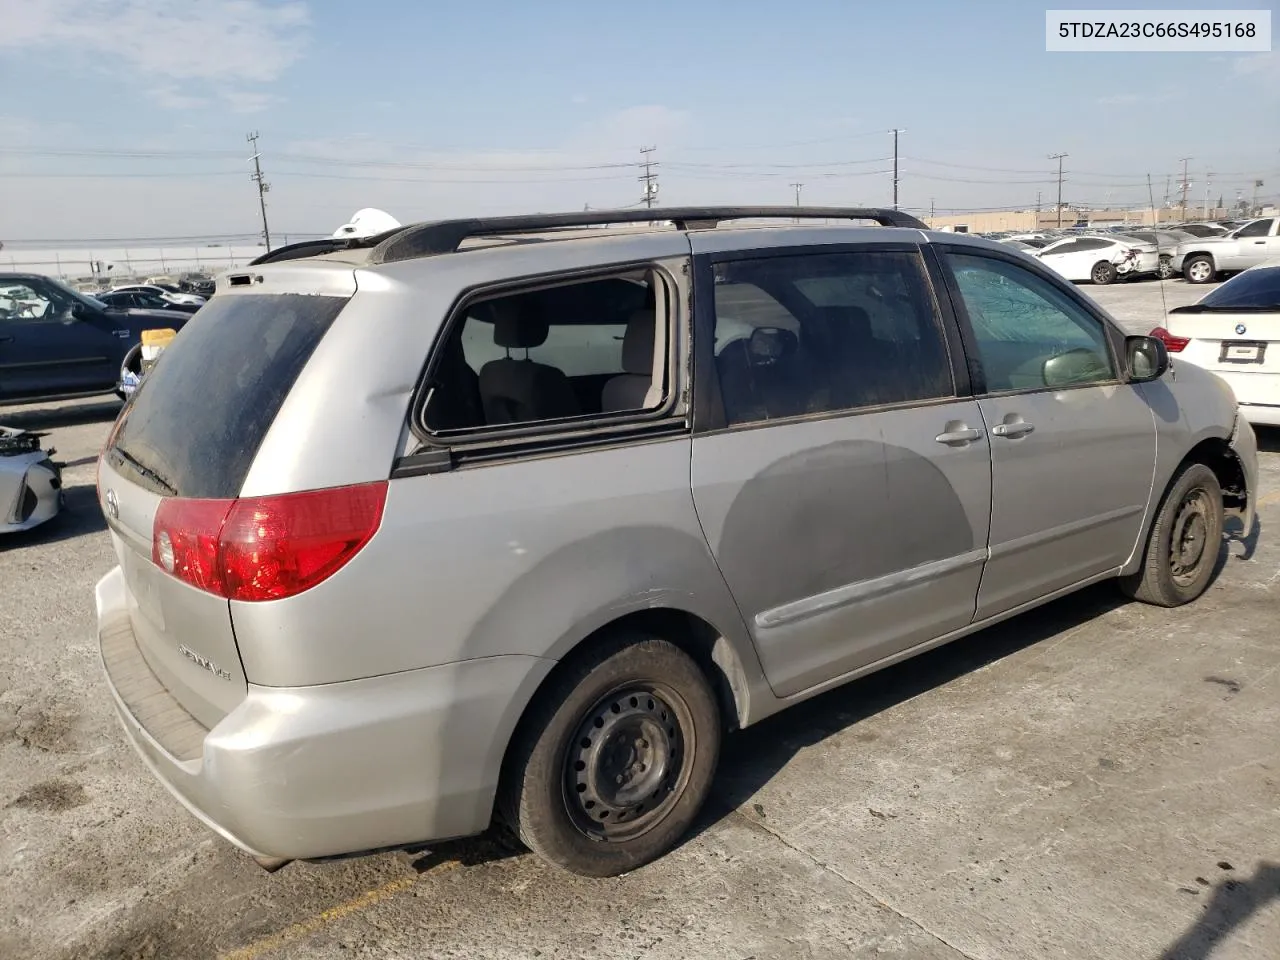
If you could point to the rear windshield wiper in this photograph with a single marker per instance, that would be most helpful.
(145, 471)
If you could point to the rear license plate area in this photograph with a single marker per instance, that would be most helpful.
(1243, 351)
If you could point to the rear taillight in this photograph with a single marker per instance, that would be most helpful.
(265, 548)
(1172, 344)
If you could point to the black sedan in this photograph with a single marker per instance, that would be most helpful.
(57, 343)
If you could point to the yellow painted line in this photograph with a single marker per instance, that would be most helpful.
(309, 926)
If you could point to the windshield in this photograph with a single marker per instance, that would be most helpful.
(76, 294)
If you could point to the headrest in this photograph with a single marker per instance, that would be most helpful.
(637, 343)
(513, 328)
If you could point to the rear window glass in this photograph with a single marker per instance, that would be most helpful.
(1253, 288)
(196, 421)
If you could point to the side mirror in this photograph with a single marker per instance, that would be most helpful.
(1148, 358)
(768, 345)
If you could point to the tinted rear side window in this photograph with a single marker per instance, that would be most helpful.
(195, 424)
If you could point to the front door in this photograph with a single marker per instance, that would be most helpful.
(46, 348)
(841, 479)
(1072, 445)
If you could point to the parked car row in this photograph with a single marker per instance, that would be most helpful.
(1200, 253)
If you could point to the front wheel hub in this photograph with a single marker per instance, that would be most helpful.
(623, 764)
(1190, 537)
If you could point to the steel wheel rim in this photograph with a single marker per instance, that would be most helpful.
(1100, 274)
(1190, 540)
(1166, 268)
(1199, 270)
(628, 762)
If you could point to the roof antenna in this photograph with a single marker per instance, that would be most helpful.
(1155, 222)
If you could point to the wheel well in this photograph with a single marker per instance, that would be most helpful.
(1216, 454)
(703, 642)
(133, 359)
(1197, 253)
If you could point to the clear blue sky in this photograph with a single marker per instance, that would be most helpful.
(128, 119)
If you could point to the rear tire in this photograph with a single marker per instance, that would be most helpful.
(1199, 269)
(1165, 270)
(615, 759)
(1183, 545)
(1103, 273)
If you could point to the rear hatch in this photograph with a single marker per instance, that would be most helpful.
(184, 442)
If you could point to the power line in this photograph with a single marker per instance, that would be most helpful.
(263, 186)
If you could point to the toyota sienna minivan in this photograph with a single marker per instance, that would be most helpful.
(513, 519)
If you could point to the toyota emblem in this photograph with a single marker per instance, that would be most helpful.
(113, 505)
(1241, 328)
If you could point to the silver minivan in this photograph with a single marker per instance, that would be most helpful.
(514, 518)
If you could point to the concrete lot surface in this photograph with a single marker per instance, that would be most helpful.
(1095, 779)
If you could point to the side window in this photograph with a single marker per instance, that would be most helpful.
(1091, 243)
(1029, 334)
(23, 303)
(1070, 246)
(1259, 228)
(820, 333)
(571, 350)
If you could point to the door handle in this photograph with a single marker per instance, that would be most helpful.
(1012, 431)
(957, 433)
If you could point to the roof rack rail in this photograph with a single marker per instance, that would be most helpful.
(444, 236)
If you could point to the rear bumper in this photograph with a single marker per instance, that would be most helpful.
(1262, 414)
(338, 768)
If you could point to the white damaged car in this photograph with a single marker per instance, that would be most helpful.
(30, 482)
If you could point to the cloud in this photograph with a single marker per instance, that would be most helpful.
(1260, 66)
(172, 99)
(1131, 99)
(248, 101)
(233, 42)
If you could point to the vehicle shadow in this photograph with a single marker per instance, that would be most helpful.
(65, 415)
(80, 515)
(1268, 439)
(1233, 902)
(754, 756)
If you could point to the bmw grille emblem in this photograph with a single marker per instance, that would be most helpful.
(113, 505)
(1240, 329)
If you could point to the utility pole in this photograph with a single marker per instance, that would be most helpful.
(649, 178)
(263, 186)
(1254, 206)
(931, 214)
(1058, 157)
(798, 187)
(895, 131)
(1208, 179)
(1185, 184)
